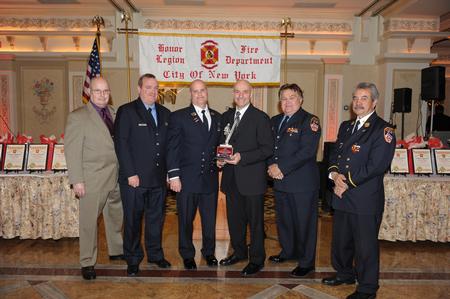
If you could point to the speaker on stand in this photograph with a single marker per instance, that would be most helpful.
(402, 103)
(433, 87)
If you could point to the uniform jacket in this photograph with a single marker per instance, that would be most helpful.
(295, 152)
(363, 158)
(140, 146)
(89, 150)
(253, 140)
(192, 150)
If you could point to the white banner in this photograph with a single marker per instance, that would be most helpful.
(216, 58)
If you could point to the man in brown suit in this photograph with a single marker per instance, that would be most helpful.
(93, 173)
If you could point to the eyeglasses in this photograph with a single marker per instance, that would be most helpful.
(101, 92)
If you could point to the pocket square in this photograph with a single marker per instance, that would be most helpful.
(142, 125)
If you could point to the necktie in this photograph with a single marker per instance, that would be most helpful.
(237, 118)
(355, 128)
(153, 115)
(205, 120)
(283, 122)
(108, 122)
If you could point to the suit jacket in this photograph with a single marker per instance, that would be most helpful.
(140, 145)
(295, 151)
(363, 157)
(192, 149)
(253, 140)
(89, 150)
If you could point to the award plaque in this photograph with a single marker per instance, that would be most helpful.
(14, 157)
(422, 161)
(442, 160)
(59, 160)
(37, 157)
(399, 163)
(225, 151)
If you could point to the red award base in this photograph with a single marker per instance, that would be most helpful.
(224, 151)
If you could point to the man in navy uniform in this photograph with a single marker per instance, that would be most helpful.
(363, 152)
(140, 142)
(192, 140)
(296, 180)
(244, 177)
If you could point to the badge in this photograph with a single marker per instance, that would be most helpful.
(388, 134)
(314, 124)
(195, 117)
(355, 148)
(366, 124)
(292, 131)
(142, 125)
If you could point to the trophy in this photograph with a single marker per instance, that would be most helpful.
(225, 151)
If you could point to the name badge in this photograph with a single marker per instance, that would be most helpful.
(142, 125)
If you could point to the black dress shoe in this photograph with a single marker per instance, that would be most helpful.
(211, 260)
(231, 260)
(251, 269)
(118, 257)
(162, 263)
(88, 273)
(132, 270)
(359, 295)
(189, 264)
(335, 281)
(299, 271)
(276, 258)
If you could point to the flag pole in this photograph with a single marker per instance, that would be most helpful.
(286, 22)
(98, 21)
(127, 18)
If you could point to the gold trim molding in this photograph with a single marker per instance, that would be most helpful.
(50, 23)
(308, 27)
(411, 25)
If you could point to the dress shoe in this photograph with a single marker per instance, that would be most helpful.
(251, 269)
(335, 281)
(132, 270)
(231, 260)
(359, 295)
(276, 258)
(88, 273)
(162, 263)
(211, 260)
(299, 271)
(118, 257)
(189, 264)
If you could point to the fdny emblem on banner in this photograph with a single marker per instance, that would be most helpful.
(209, 54)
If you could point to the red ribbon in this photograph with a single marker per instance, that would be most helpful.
(51, 141)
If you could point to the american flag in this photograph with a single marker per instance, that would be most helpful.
(93, 70)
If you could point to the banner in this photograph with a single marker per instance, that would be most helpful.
(216, 58)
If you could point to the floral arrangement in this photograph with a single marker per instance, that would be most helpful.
(43, 87)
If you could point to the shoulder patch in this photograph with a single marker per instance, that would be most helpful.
(388, 134)
(314, 124)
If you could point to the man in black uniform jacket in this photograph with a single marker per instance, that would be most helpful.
(192, 140)
(363, 152)
(140, 142)
(296, 180)
(244, 178)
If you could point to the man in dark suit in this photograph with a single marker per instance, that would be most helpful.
(192, 140)
(296, 180)
(140, 142)
(244, 177)
(363, 152)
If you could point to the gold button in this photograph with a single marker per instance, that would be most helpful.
(348, 159)
(346, 166)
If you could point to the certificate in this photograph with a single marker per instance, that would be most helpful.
(14, 157)
(422, 161)
(442, 160)
(399, 163)
(59, 160)
(37, 157)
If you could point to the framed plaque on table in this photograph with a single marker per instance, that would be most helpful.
(14, 157)
(37, 157)
(442, 160)
(59, 160)
(422, 161)
(399, 163)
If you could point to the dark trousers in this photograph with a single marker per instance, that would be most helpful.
(297, 225)
(187, 204)
(139, 202)
(243, 210)
(356, 237)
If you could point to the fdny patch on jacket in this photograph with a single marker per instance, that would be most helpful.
(388, 134)
(314, 124)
